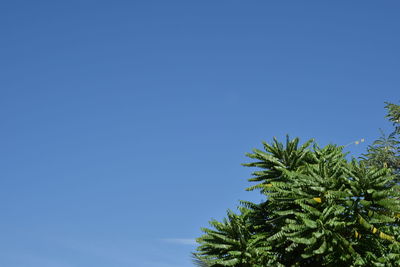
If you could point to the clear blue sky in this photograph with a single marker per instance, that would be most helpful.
(124, 123)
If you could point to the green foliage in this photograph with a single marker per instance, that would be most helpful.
(320, 209)
(232, 242)
(385, 152)
(394, 115)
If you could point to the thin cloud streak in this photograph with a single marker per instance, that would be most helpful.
(181, 241)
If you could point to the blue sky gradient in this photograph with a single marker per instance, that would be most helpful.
(124, 123)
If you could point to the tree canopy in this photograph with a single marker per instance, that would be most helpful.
(320, 208)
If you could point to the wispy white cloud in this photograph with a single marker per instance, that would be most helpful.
(181, 241)
(108, 251)
(31, 258)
